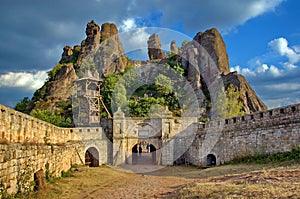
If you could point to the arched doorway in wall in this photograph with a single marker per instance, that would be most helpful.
(144, 153)
(92, 157)
(211, 160)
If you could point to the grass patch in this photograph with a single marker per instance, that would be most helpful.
(264, 158)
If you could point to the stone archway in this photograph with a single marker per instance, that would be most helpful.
(144, 154)
(211, 160)
(92, 157)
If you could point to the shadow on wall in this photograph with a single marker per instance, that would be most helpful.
(211, 160)
(92, 157)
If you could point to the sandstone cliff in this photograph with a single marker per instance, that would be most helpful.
(154, 48)
(100, 52)
(204, 60)
(251, 102)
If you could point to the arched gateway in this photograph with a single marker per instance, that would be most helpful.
(92, 157)
(144, 153)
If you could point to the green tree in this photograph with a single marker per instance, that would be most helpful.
(185, 42)
(23, 105)
(233, 102)
(142, 107)
(229, 103)
(119, 97)
(49, 117)
(131, 79)
(164, 85)
(107, 88)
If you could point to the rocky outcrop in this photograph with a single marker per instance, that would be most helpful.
(101, 53)
(251, 102)
(173, 47)
(206, 61)
(109, 57)
(213, 43)
(154, 48)
(91, 42)
(108, 30)
(59, 89)
(66, 55)
(101, 50)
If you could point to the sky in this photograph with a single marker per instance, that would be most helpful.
(262, 38)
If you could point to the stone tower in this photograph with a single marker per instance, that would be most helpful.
(87, 100)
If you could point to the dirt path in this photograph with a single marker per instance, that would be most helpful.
(106, 182)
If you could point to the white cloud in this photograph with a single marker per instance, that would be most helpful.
(279, 102)
(128, 24)
(280, 46)
(226, 14)
(284, 86)
(244, 71)
(28, 81)
(289, 66)
(296, 48)
(133, 38)
(274, 71)
(261, 69)
(275, 81)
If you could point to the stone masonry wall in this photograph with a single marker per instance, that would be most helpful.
(271, 131)
(31, 144)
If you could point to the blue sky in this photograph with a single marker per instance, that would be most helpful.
(262, 37)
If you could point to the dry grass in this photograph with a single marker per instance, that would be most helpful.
(281, 183)
(230, 181)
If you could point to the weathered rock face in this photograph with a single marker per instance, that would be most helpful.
(101, 53)
(213, 43)
(91, 42)
(102, 50)
(57, 90)
(154, 48)
(250, 100)
(108, 30)
(173, 47)
(66, 55)
(109, 57)
(205, 59)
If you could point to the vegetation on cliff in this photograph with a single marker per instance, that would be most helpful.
(102, 53)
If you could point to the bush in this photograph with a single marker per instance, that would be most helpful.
(262, 158)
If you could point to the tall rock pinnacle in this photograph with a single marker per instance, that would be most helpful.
(213, 43)
(154, 48)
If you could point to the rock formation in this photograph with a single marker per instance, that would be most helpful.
(173, 47)
(66, 55)
(154, 48)
(109, 57)
(213, 43)
(91, 42)
(204, 59)
(250, 100)
(101, 52)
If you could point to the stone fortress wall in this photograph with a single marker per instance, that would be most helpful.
(270, 131)
(28, 145)
(25, 140)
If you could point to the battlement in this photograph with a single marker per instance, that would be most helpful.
(16, 127)
(269, 117)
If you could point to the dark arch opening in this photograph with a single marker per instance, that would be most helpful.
(211, 160)
(144, 153)
(92, 157)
